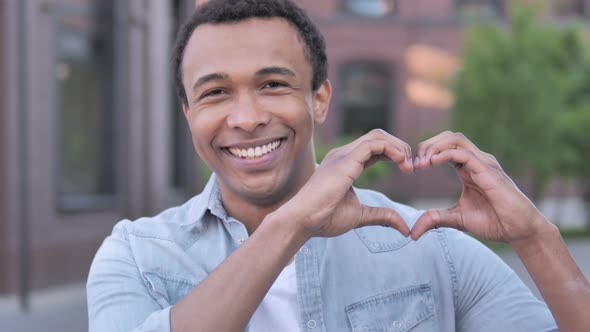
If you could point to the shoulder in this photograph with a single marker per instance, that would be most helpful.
(158, 245)
(173, 224)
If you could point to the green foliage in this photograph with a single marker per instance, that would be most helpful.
(574, 126)
(369, 177)
(576, 136)
(519, 96)
(204, 171)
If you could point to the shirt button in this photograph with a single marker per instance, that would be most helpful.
(311, 323)
(241, 240)
(396, 324)
(304, 250)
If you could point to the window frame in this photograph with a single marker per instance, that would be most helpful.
(385, 67)
(85, 202)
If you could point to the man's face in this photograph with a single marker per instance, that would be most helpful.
(251, 109)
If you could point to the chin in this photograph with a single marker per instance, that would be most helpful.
(265, 192)
(271, 194)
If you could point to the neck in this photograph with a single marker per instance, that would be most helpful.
(251, 212)
(250, 215)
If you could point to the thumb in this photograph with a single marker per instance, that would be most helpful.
(435, 218)
(380, 216)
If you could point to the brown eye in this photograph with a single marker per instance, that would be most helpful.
(213, 93)
(274, 85)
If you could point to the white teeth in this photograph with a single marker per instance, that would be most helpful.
(255, 152)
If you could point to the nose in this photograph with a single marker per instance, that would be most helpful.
(247, 115)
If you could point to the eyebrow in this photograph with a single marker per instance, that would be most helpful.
(208, 78)
(275, 70)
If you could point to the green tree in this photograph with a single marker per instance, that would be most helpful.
(574, 127)
(516, 84)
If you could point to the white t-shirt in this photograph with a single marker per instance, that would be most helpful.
(279, 310)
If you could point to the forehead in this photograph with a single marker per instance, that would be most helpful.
(246, 45)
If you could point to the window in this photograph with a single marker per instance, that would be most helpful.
(370, 8)
(567, 8)
(182, 148)
(84, 72)
(366, 94)
(479, 8)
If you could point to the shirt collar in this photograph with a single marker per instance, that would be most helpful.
(208, 200)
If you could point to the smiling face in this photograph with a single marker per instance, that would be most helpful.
(251, 108)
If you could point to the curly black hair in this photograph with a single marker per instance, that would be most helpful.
(226, 11)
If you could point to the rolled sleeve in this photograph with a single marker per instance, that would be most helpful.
(118, 297)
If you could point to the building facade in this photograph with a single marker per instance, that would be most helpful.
(87, 130)
(91, 132)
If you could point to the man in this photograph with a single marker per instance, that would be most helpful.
(276, 243)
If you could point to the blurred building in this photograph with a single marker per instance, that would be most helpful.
(91, 132)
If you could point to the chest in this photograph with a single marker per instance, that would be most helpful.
(339, 285)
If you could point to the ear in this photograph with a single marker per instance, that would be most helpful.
(185, 110)
(321, 102)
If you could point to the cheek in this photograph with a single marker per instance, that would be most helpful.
(203, 126)
(296, 114)
(303, 119)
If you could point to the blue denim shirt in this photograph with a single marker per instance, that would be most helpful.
(369, 279)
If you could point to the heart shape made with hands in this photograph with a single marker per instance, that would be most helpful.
(490, 205)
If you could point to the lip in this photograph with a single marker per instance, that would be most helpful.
(264, 162)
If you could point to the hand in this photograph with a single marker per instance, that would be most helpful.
(491, 206)
(327, 205)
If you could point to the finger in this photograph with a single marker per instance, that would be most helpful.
(380, 216)
(439, 143)
(375, 159)
(380, 134)
(425, 145)
(460, 158)
(371, 148)
(435, 218)
(406, 148)
(375, 134)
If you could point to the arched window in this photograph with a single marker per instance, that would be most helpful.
(365, 100)
(370, 8)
